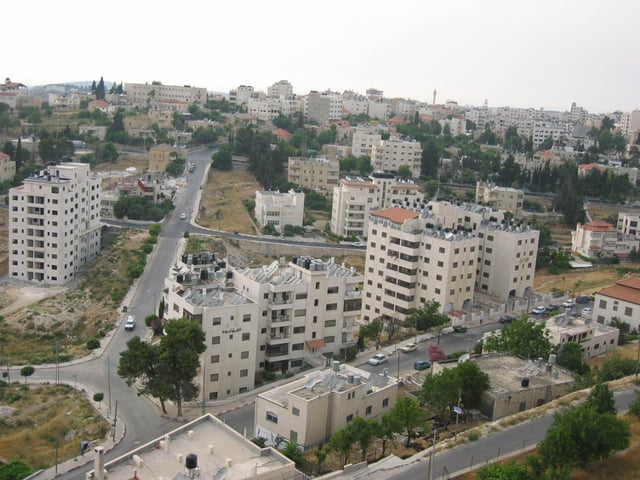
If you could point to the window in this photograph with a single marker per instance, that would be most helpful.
(368, 410)
(293, 436)
(602, 304)
(331, 290)
(332, 306)
(349, 418)
(213, 377)
(628, 311)
(385, 402)
(297, 346)
(330, 323)
(244, 354)
(244, 372)
(272, 417)
(215, 358)
(215, 340)
(330, 339)
(217, 321)
(245, 336)
(213, 395)
(298, 330)
(246, 317)
(317, 285)
(295, 411)
(301, 296)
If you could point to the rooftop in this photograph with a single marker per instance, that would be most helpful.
(627, 290)
(218, 449)
(281, 273)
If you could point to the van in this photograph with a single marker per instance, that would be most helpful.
(130, 323)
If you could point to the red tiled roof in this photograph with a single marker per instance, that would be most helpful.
(4, 155)
(282, 133)
(627, 290)
(396, 215)
(317, 343)
(589, 166)
(598, 226)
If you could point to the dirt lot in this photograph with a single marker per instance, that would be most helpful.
(584, 281)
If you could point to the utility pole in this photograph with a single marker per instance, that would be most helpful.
(109, 382)
(115, 421)
(203, 373)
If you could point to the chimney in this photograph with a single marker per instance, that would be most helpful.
(98, 463)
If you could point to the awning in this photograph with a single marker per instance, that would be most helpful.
(316, 343)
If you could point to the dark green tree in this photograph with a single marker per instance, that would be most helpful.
(409, 414)
(570, 357)
(473, 383)
(617, 367)
(341, 443)
(601, 399)
(364, 432)
(427, 316)
(222, 158)
(15, 469)
(523, 337)
(388, 426)
(404, 171)
(26, 372)
(441, 391)
(100, 90)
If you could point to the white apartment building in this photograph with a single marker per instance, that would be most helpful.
(281, 88)
(390, 155)
(620, 301)
(240, 95)
(141, 93)
(500, 198)
(628, 223)
(593, 338)
(315, 173)
(54, 224)
(598, 239)
(411, 261)
(323, 107)
(542, 130)
(279, 209)
(379, 110)
(310, 410)
(463, 215)
(7, 168)
(630, 123)
(457, 125)
(355, 197)
(363, 140)
(273, 318)
(267, 108)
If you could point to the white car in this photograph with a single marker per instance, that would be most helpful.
(131, 323)
(586, 312)
(539, 310)
(378, 359)
(408, 348)
(567, 303)
(183, 216)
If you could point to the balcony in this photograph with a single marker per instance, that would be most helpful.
(280, 301)
(280, 318)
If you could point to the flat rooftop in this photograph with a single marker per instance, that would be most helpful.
(216, 446)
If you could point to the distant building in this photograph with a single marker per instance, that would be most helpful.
(279, 209)
(160, 156)
(310, 410)
(629, 223)
(153, 93)
(600, 239)
(620, 301)
(281, 88)
(314, 173)
(593, 338)
(500, 198)
(203, 448)
(363, 139)
(98, 131)
(7, 168)
(390, 155)
(54, 224)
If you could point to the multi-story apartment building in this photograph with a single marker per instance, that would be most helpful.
(500, 198)
(628, 223)
(316, 173)
(279, 209)
(270, 318)
(630, 123)
(620, 301)
(363, 140)
(598, 239)
(54, 224)
(311, 409)
(411, 260)
(268, 108)
(323, 107)
(281, 88)
(240, 95)
(355, 197)
(143, 93)
(389, 155)
(7, 168)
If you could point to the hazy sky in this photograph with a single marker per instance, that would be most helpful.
(538, 53)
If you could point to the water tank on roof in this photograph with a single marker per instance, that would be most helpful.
(204, 274)
(191, 461)
(180, 278)
(524, 382)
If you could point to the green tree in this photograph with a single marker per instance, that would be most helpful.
(26, 372)
(409, 414)
(100, 90)
(321, 456)
(292, 452)
(634, 407)
(388, 426)
(364, 431)
(427, 316)
(507, 471)
(617, 367)
(16, 469)
(179, 354)
(341, 443)
(581, 435)
(222, 159)
(404, 171)
(523, 337)
(474, 382)
(110, 153)
(601, 399)
(570, 357)
(441, 391)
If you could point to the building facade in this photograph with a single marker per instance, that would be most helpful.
(500, 198)
(600, 239)
(160, 156)
(620, 301)
(315, 173)
(151, 93)
(54, 224)
(7, 168)
(310, 410)
(390, 155)
(279, 209)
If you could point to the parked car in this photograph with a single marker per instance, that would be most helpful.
(553, 307)
(409, 347)
(586, 312)
(539, 310)
(130, 324)
(183, 216)
(358, 244)
(583, 299)
(378, 359)
(507, 319)
(460, 329)
(422, 364)
(568, 303)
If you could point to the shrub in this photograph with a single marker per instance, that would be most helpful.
(93, 344)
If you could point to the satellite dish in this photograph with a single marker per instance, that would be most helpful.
(464, 358)
(221, 473)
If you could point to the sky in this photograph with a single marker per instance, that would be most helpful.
(540, 54)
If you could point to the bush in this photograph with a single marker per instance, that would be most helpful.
(93, 344)
(617, 368)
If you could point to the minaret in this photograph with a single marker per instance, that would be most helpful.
(434, 96)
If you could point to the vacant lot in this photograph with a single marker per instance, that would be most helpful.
(577, 281)
(221, 206)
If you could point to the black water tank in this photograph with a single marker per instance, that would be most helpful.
(204, 274)
(525, 382)
(180, 278)
(191, 461)
(229, 274)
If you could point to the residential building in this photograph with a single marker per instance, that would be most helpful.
(98, 131)
(310, 410)
(7, 168)
(315, 173)
(390, 155)
(160, 156)
(152, 93)
(630, 123)
(274, 318)
(355, 197)
(593, 338)
(600, 239)
(518, 385)
(279, 209)
(323, 107)
(628, 223)
(500, 198)
(240, 95)
(620, 301)
(281, 88)
(363, 139)
(54, 224)
(412, 260)
(203, 448)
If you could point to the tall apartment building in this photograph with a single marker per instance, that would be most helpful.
(355, 197)
(281, 88)
(279, 209)
(323, 107)
(411, 261)
(141, 93)
(240, 95)
(272, 318)
(500, 198)
(390, 155)
(7, 168)
(598, 238)
(363, 139)
(628, 224)
(54, 224)
(316, 173)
